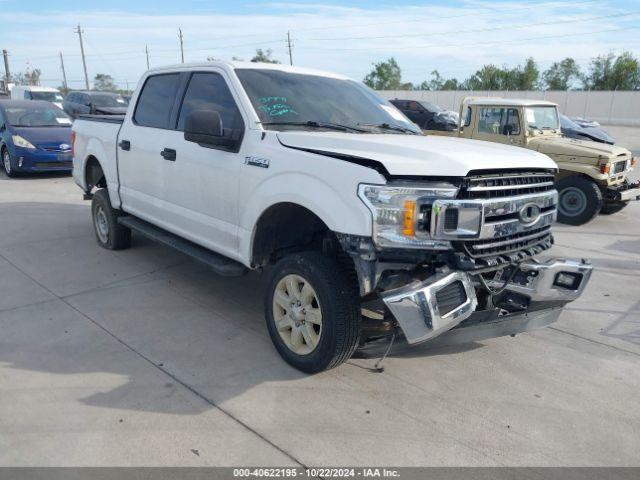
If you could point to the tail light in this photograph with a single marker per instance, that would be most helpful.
(73, 141)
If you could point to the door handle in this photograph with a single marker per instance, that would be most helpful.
(125, 145)
(169, 154)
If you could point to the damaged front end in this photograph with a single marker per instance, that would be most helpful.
(468, 270)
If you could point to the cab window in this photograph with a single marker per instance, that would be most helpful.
(467, 118)
(499, 121)
(209, 91)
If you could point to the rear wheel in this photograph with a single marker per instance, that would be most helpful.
(109, 233)
(6, 164)
(312, 312)
(579, 201)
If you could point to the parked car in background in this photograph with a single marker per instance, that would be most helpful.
(29, 92)
(344, 202)
(571, 129)
(94, 103)
(593, 177)
(35, 136)
(427, 115)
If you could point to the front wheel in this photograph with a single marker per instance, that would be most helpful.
(579, 200)
(6, 164)
(312, 312)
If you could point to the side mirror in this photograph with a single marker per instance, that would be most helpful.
(204, 127)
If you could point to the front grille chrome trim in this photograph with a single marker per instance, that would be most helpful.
(508, 187)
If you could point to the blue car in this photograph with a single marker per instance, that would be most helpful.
(35, 136)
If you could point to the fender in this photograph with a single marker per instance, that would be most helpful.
(570, 168)
(326, 202)
(96, 149)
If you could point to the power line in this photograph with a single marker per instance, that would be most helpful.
(444, 17)
(492, 42)
(479, 30)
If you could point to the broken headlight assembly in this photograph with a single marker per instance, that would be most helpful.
(402, 213)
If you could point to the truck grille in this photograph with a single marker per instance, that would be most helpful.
(505, 238)
(505, 185)
(619, 167)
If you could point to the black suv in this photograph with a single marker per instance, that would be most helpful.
(91, 102)
(427, 115)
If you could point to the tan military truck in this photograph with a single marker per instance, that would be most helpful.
(593, 176)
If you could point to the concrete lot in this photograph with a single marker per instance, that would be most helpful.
(143, 357)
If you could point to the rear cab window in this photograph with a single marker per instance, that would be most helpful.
(155, 102)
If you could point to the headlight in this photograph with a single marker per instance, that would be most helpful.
(18, 141)
(401, 213)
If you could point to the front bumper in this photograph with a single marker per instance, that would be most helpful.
(624, 193)
(38, 160)
(426, 310)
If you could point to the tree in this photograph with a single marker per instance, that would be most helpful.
(608, 72)
(264, 56)
(525, 77)
(385, 76)
(489, 77)
(29, 77)
(104, 82)
(562, 75)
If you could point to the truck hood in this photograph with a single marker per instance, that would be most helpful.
(577, 148)
(419, 155)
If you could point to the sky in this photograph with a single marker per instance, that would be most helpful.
(345, 36)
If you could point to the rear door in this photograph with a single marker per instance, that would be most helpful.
(147, 131)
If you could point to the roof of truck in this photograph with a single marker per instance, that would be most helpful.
(520, 102)
(252, 65)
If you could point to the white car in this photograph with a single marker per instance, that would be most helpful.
(30, 92)
(368, 230)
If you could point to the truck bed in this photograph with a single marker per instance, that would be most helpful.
(103, 118)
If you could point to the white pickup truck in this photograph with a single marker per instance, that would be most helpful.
(369, 231)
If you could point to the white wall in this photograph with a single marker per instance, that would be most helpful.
(613, 108)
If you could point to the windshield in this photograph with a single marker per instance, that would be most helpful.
(542, 118)
(47, 96)
(108, 101)
(300, 100)
(37, 116)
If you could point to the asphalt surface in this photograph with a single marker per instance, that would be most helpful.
(144, 357)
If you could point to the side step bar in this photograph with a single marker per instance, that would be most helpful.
(219, 263)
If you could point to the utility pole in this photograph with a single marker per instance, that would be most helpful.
(7, 74)
(64, 74)
(84, 63)
(181, 44)
(289, 46)
(146, 50)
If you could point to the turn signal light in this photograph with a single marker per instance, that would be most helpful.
(408, 227)
(634, 162)
(605, 168)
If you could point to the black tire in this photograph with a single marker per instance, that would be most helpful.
(611, 208)
(338, 300)
(6, 164)
(109, 233)
(580, 200)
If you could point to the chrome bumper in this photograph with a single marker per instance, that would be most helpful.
(631, 194)
(417, 306)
